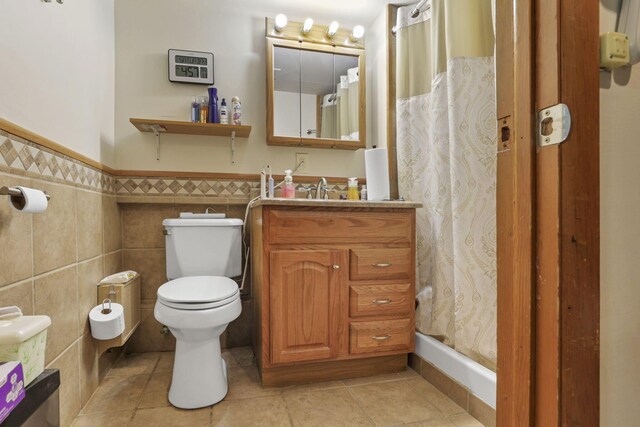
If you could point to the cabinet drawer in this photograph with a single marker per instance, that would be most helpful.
(380, 300)
(380, 264)
(338, 226)
(382, 336)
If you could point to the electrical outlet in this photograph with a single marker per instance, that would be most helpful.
(302, 163)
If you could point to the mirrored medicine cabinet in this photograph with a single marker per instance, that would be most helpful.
(315, 95)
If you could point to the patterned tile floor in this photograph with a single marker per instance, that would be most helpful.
(135, 394)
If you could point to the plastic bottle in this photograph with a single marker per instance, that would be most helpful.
(236, 111)
(224, 119)
(213, 105)
(352, 189)
(204, 109)
(289, 190)
(363, 192)
(195, 110)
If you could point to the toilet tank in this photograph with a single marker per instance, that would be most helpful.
(203, 247)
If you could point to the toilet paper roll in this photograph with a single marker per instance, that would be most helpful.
(105, 326)
(32, 201)
(377, 171)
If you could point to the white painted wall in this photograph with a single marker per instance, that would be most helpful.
(145, 29)
(57, 72)
(377, 79)
(620, 239)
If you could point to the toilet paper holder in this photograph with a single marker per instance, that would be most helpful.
(106, 310)
(14, 192)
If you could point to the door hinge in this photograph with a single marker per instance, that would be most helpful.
(554, 125)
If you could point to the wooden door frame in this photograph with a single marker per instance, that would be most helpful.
(547, 212)
(548, 215)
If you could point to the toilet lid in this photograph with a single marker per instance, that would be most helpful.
(200, 305)
(198, 289)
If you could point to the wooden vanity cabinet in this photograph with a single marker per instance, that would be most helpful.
(332, 291)
(304, 298)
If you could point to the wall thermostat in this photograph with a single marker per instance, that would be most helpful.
(189, 66)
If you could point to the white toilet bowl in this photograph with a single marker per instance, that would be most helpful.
(197, 310)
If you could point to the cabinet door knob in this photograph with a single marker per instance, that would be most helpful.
(382, 264)
(336, 267)
(382, 301)
(381, 337)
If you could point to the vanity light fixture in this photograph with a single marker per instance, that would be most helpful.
(306, 27)
(357, 33)
(333, 29)
(280, 22)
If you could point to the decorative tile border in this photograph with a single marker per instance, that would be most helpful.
(22, 157)
(132, 186)
(151, 186)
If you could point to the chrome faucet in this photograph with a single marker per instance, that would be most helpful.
(322, 186)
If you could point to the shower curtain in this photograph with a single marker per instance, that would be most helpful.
(346, 108)
(328, 119)
(446, 142)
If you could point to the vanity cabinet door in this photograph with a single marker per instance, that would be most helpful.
(305, 304)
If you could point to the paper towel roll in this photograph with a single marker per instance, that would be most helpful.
(32, 201)
(377, 170)
(109, 325)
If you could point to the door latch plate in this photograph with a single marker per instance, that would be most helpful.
(554, 125)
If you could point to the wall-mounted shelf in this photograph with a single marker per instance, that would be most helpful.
(188, 128)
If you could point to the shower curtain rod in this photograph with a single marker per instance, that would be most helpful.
(415, 12)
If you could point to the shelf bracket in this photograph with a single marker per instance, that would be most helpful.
(233, 147)
(157, 129)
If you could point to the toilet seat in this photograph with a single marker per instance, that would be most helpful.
(198, 292)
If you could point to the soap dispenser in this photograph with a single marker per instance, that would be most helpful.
(352, 189)
(289, 190)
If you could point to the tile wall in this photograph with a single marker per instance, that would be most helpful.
(97, 224)
(454, 391)
(144, 251)
(51, 262)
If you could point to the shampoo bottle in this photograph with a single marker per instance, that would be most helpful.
(195, 110)
(223, 113)
(289, 190)
(204, 109)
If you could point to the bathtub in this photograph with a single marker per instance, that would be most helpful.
(476, 378)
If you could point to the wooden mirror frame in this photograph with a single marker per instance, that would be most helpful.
(272, 139)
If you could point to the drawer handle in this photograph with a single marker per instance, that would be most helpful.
(382, 301)
(381, 337)
(336, 267)
(382, 264)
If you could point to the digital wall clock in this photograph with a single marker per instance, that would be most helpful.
(189, 66)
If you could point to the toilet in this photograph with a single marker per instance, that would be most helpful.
(198, 302)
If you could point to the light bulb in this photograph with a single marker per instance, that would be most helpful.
(333, 29)
(306, 27)
(281, 22)
(357, 33)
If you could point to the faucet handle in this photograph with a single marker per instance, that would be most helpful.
(308, 190)
(327, 190)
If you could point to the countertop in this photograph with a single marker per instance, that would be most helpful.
(333, 203)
